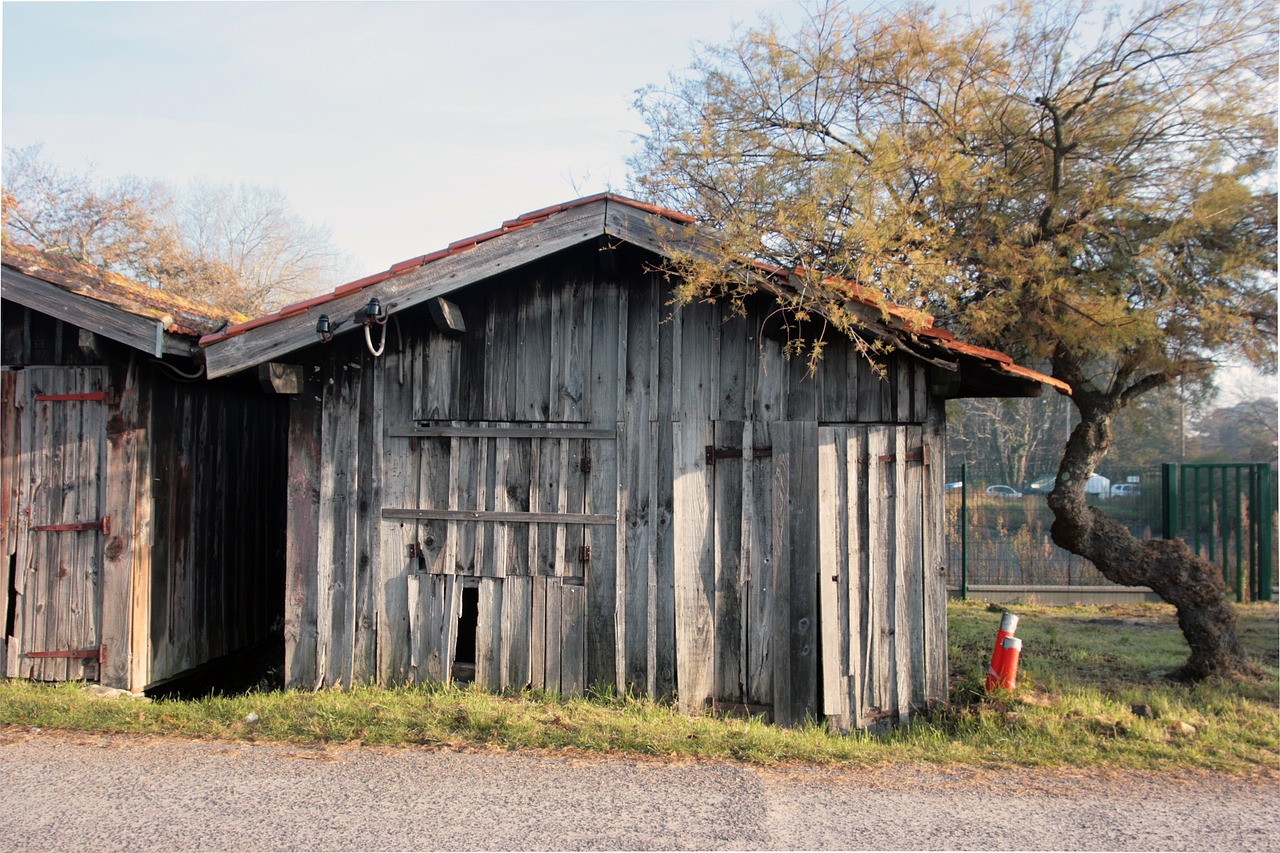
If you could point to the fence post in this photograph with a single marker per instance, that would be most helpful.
(964, 531)
(1169, 499)
(1266, 520)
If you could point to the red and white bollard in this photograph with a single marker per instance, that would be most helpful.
(995, 670)
(1006, 677)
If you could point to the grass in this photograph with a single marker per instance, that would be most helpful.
(1084, 670)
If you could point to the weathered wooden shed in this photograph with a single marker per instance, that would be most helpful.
(539, 471)
(141, 506)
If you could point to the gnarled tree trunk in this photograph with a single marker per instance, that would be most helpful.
(1170, 568)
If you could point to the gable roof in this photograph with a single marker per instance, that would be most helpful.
(137, 315)
(539, 233)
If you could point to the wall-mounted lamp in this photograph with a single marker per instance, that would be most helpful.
(323, 328)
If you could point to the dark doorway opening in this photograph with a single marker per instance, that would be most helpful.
(464, 656)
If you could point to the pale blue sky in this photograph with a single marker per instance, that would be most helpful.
(401, 126)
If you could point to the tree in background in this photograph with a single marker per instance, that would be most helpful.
(1243, 432)
(239, 247)
(1086, 191)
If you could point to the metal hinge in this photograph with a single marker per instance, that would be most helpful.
(584, 554)
(714, 453)
(920, 454)
(108, 396)
(585, 465)
(99, 654)
(102, 525)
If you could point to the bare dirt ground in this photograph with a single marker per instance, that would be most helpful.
(62, 791)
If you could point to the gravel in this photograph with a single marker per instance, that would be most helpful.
(62, 791)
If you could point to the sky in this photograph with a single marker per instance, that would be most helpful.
(399, 126)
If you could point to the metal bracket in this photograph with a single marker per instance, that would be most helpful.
(99, 654)
(108, 396)
(713, 453)
(102, 525)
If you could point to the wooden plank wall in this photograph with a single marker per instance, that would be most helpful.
(703, 575)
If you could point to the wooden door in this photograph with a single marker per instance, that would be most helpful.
(55, 596)
(879, 652)
(521, 518)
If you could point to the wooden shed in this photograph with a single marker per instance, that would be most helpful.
(524, 464)
(141, 506)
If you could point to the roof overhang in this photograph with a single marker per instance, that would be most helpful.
(977, 372)
(140, 332)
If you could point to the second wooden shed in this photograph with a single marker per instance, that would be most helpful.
(515, 460)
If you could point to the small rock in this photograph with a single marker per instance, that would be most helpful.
(251, 717)
(1157, 674)
(99, 692)
(1182, 729)
(34, 730)
(1145, 711)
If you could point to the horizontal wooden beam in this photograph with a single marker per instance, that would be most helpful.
(489, 515)
(501, 432)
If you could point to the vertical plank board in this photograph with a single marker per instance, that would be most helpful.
(535, 351)
(441, 396)
(878, 697)
(802, 390)
(573, 616)
(500, 358)
(538, 633)
(553, 634)
(833, 558)
(417, 617)
(783, 434)
(517, 615)
(855, 517)
(552, 457)
(402, 460)
(434, 477)
(496, 548)
(635, 553)
(832, 379)
(912, 524)
(869, 393)
(662, 580)
(489, 651)
(464, 472)
(902, 640)
(803, 598)
(905, 373)
(769, 399)
(367, 574)
(934, 560)
(757, 564)
(124, 433)
(695, 572)
(737, 353)
(602, 569)
(518, 486)
(727, 474)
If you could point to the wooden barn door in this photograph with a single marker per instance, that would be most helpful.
(508, 526)
(882, 612)
(54, 593)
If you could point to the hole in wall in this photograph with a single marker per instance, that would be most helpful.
(464, 655)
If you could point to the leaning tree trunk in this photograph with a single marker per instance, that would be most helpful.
(1190, 583)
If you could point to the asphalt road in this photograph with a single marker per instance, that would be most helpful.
(63, 792)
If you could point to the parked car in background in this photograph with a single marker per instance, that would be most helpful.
(1003, 492)
(1126, 490)
(1042, 485)
(958, 484)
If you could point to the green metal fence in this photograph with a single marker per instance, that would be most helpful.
(1226, 513)
(998, 533)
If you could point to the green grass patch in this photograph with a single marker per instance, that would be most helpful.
(1084, 672)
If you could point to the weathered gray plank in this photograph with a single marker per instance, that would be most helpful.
(879, 684)
(538, 634)
(903, 550)
(489, 652)
(602, 569)
(833, 560)
(855, 621)
(757, 565)
(662, 582)
(935, 559)
(368, 570)
(553, 635)
(573, 608)
(695, 571)
(517, 615)
(912, 506)
(727, 515)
